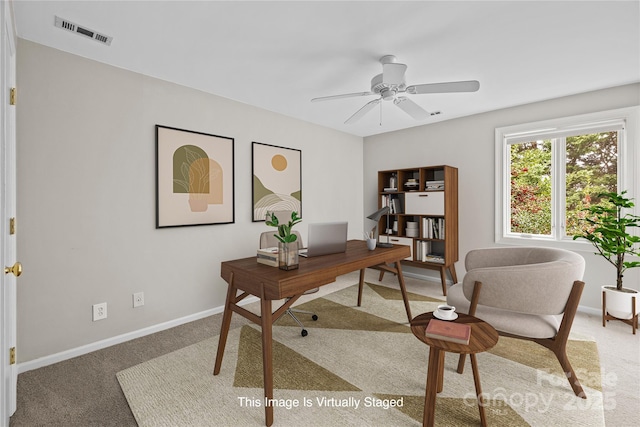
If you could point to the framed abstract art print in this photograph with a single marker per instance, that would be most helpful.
(194, 178)
(277, 180)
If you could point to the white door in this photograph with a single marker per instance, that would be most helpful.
(8, 229)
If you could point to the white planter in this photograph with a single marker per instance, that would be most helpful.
(619, 302)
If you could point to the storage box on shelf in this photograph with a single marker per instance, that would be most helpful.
(423, 215)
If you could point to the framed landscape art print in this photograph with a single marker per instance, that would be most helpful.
(194, 178)
(277, 179)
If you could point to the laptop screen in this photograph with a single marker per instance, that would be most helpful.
(326, 238)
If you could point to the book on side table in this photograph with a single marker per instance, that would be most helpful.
(448, 331)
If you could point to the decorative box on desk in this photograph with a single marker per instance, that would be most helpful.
(433, 205)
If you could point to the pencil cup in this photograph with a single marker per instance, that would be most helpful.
(371, 244)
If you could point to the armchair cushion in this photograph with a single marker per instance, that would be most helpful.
(510, 322)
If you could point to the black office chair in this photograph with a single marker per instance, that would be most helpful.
(267, 240)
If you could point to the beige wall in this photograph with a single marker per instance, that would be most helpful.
(468, 144)
(86, 198)
(86, 192)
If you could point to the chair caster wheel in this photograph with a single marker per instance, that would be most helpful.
(314, 317)
(304, 333)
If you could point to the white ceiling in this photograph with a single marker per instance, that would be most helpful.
(279, 55)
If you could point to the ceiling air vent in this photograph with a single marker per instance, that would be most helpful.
(74, 28)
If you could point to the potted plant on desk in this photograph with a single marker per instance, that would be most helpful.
(287, 240)
(608, 233)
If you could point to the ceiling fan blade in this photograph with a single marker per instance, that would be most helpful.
(346, 95)
(393, 74)
(411, 108)
(463, 86)
(363, 111)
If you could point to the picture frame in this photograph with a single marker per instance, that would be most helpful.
(194, 178)
(276, 180)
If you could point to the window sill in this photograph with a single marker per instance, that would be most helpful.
(580, 245)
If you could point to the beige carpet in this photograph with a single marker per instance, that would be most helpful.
(353, 364)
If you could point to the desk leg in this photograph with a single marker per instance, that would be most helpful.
(267, 356)
(403, 289)
(360, 287)
(433, 373)
(476, 380)
(226, 323)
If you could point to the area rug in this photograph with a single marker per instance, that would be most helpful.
(359, 366)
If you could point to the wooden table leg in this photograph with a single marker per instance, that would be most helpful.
(267, 356)
(476, 380)
(452, 271)
(360, 287)
(441, 372)
(443, 279)
(226, 323)
(433, 372)
(403, 289)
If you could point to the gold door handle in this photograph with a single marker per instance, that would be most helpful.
(16, 269)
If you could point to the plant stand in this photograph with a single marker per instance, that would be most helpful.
(606, 316)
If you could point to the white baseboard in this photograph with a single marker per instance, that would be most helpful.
(99, 345)
(425, 277)
(590, 310)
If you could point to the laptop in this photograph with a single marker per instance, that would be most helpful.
(326, 238)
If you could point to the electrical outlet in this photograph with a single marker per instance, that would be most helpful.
(138, 299)
(99, 311)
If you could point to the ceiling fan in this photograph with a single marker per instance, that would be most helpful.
(390, 84)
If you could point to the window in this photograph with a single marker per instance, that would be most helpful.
(548, 172)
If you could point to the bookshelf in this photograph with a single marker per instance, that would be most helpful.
(423, 204)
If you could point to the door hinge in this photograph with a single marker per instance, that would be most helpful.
(12, 356)
(12, 96)
(12, 226)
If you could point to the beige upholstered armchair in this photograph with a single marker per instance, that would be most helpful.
(524, 292)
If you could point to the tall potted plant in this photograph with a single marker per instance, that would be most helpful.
(287, 240)
(608, 233)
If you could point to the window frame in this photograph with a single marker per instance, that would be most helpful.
(628, 174)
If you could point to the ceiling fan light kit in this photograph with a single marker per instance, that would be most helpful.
(392, 82)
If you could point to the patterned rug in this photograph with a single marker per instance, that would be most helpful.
(359, 366)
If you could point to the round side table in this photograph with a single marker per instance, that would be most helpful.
(483, 337)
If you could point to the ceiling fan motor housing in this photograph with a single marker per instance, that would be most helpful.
(385, 90)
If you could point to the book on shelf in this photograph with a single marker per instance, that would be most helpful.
(395, 202)
(433, 228)
(424, 253)
(268, 256)
(448, 331)
(438, 259)
(397, 206)
(434, 185)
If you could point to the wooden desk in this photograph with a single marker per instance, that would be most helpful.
(483, 337)
(270, 283)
